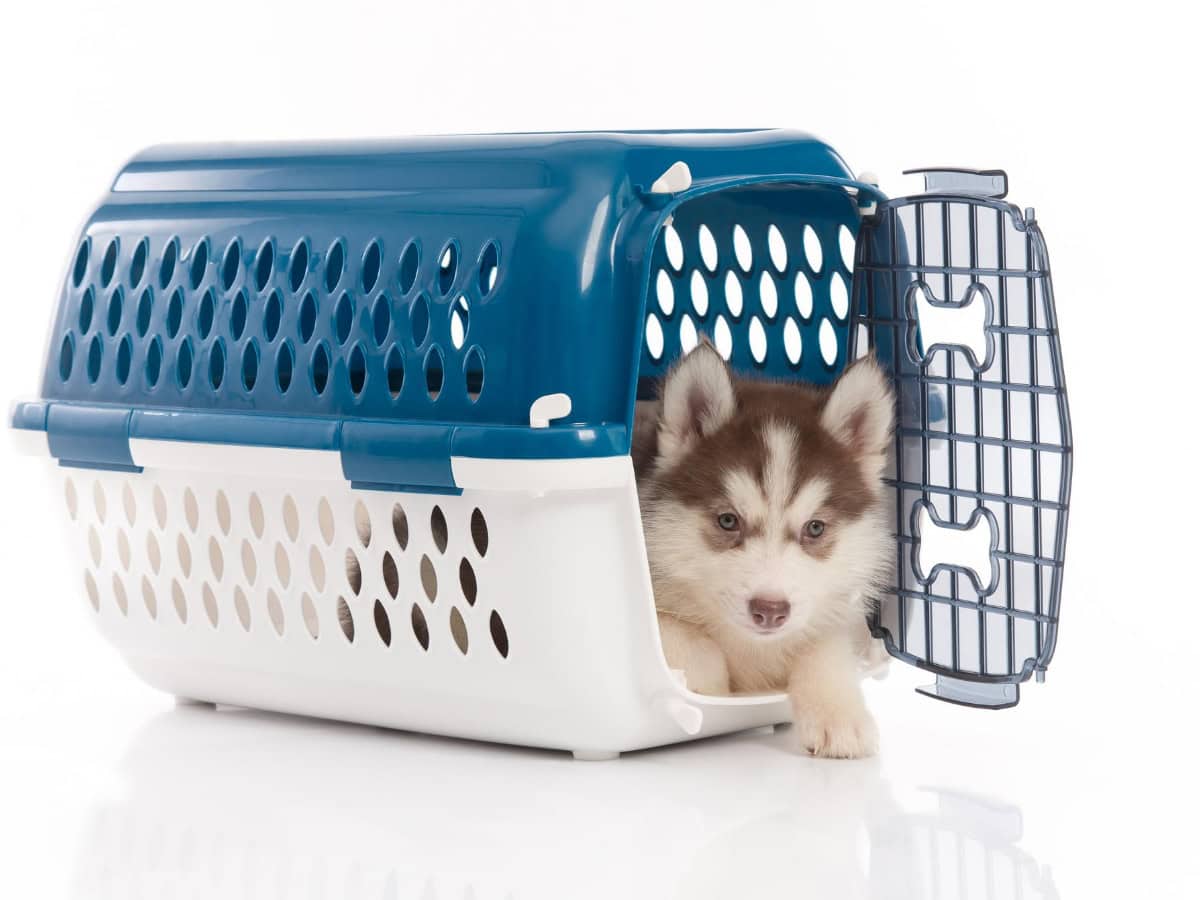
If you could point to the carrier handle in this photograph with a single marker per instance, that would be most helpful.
(991, 183)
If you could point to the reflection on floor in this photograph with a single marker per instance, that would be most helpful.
(236, 804)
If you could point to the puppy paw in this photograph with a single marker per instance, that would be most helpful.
(845, 734)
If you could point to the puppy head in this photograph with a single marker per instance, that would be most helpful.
(763, 509)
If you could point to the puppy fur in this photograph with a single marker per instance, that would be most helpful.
(732, 475)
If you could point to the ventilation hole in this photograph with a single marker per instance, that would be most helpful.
(93, 592)
(460, 320)
(699, 294)
(309, 612)
(664, 291)
(180, 600)
(184, 554)
(216, 365)
(199, 262)
(123, 553)
(362, 523)
(129, 504)
(353, 572)
(66, 357)
(400, 526)
(272, 316)
(758, 340)
(768, 295)
(466, 579)
(429, 578)
(827, 339)
(435, 374)
(654, 337)
(116, 306)
(216, 559)
(224, 514)
(839, 297)
(473, 372)
(792, 344)
(458, 629)
(149, 598)
(357, 369)
(499, 634)
(325, 520)
(204, 316)
(345, 619)
(777, 247)
(79, 270)
(437, 524)
(258, 517)
(343, 317)
(846, 244)
(210, 605)
(137, 266)
(298, 267)
(250, 366)
(191, 509)
(291, 518)
(419, 319)
(231, 263)
(166, 268)
(723, 338)
(108, 266)
(100, 502)
(381, 319)
(335, 261)
(283, 565)
(154, 354)
(447, 267)
(741, 248)
(320, 369)
(237, 316)
(94, 546)
(395, 372)
(674, 247)
(708, 248)
(95, 355)
(87, 308)
(242, 607)
(249, 562)
(145, 311)
(410, 261)
(153, 553)
(489, 268)
(370, 266)
(284, 364)
(804, 296)
(308, 317)
(383, 625)
(174, 313)
(733, 295)
(391, 578)
(264, 264)
(275, 612)
(812, 249)
(72, 498)
(479, 532)
(420, 627)
(183, 363)
(120, 596)
(316, 567)
(688, 337)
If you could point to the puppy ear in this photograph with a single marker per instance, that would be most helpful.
(697, 399)
(860, 413)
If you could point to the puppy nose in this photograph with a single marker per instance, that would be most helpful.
(769, 612)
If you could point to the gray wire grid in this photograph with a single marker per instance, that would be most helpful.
(979, 442)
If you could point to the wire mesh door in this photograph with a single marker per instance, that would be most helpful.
(952, 292)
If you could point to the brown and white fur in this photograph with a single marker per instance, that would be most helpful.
(774, 602)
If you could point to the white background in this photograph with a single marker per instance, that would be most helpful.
(1088, 788)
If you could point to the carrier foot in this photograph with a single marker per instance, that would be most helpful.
(189, 701)
(595, 755)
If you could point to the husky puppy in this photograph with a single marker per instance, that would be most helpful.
(764, 514)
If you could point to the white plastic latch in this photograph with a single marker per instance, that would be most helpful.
(676, 179)
(872, 179)
(547, 408)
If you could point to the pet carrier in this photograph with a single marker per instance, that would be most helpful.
(344, 430)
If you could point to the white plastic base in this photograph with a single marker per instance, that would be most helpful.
(506, 616)
(594, 755)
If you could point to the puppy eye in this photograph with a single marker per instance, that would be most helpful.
(728, 521)
(814, 529)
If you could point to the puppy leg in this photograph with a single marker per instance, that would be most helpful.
(697, 655)
(831, 716)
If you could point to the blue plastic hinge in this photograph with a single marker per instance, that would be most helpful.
(90, 437)
(398, 457)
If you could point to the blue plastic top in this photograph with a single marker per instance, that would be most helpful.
(398, 300)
